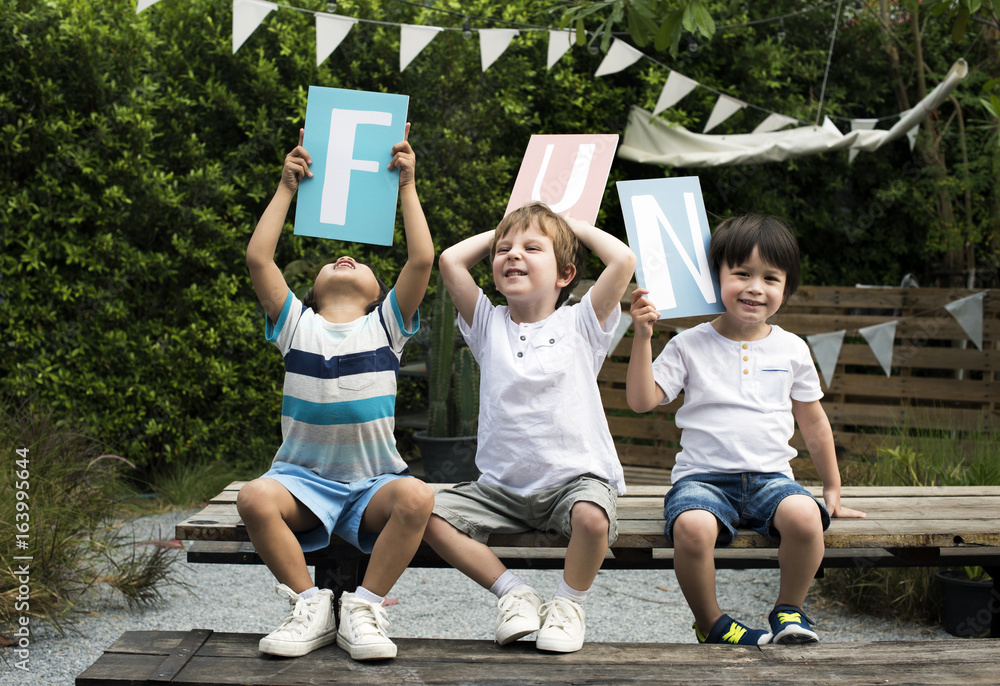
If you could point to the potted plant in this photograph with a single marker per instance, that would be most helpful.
(967, 597)
(448, 446)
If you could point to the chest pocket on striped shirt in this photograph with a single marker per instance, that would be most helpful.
(357, 371)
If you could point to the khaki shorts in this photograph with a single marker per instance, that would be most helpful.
(479, 509)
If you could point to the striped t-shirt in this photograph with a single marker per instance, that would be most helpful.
(339, 397)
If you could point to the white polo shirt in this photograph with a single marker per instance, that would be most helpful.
(541, 420)
(737, 411)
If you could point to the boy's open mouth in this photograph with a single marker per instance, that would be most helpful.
(515, 272)
(751, 303)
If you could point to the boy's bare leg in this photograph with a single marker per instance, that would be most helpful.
(272, 515)
(399, 512)
(587, 546)
(468, 556)
(800, 554)
(694, 535)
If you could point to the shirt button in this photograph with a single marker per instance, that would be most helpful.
(522, 338)
(745, 346)
(551, 341)
(746, 371)
(745, 358)
(520, 354)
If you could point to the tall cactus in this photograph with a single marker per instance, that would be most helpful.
(454, 381)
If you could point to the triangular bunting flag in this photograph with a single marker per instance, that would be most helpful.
(725, 107)
(559, 44)
(676, 87)
(911, 136)
(830, 127)
(143, 4)
(247, 16)
(331, 29)
(492, 43)
(620, 55)
(880, 338)
(969, 314)
(774, 122)
(826, 349)
(860, 125)
(413, 39)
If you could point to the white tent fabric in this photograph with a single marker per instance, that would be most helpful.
(658, 142)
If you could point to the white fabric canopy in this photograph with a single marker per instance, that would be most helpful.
(658, 142)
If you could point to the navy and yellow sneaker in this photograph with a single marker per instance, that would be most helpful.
(790, 626)
(728, 630)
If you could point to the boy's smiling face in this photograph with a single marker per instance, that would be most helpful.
(525, 266)
(751, 291)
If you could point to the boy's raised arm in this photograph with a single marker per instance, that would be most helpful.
(455, 264)
(411, 284)
(268, 282)
(619, 265)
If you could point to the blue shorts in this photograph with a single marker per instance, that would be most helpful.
(338, 505)
(746, 500)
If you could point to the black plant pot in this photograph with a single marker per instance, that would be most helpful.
(969, 605)
(447, 460)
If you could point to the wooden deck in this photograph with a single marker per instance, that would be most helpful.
(202, 657)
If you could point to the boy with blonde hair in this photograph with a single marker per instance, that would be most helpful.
(545, 452)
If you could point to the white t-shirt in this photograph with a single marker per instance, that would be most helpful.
(737, 411)
(541, 420)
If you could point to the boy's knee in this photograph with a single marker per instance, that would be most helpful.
(590, 520)
(695, 529)
(254, 499)
(414, 500)
(798, 517)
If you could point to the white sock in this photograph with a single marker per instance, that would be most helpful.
(507, 582)
(567, 591)
(309, 593)
(368, 596)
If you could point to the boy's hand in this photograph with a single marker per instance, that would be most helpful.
(836, 509)
(296, 166)
(644, 313)
(404, 159)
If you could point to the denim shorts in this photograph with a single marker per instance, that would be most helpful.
(478, 509)
(747, 500)
(338, 505)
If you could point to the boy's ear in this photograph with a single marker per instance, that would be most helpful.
(568, 273)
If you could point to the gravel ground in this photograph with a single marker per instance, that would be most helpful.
(643, 606)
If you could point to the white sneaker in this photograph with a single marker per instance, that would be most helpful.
(518, 614)
(310, 625)
(362, 630)
(564, 627)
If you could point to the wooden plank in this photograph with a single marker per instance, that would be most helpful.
(233, 659)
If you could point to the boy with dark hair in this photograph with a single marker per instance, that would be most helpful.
(745, 383)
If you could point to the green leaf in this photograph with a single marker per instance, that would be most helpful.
(669, 34)
(636, 29)
(958, 28)
(704, 21)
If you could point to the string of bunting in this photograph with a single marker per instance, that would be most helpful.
(332, 29)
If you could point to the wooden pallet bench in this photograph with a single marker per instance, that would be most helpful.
(905, 527)
(203, 657)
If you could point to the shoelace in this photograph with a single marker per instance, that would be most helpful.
(556, 614)
(511, 604)
(735, 633)
(302, 612)
(369, 619)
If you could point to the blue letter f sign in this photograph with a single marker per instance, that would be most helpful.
(352, 194)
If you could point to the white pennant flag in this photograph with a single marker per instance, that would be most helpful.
(880, 338)
(559, 44)
(620, 55)
(331, 29)
(826, 348)
(413, 39)
(725, 107)
(911, 136)
(676, 87)
(860, 125)
(492, 43)
(247, 16)
(968, 312)
(774, 122)
(143, 4)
